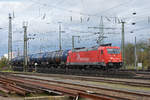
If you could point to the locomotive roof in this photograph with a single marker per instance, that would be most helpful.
(85, 49)
(93, 48)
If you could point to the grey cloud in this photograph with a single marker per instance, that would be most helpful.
(61, 10)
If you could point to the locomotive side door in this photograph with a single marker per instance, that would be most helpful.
(101, 55)
(98, 56)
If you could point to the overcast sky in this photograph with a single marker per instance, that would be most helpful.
(75, 17)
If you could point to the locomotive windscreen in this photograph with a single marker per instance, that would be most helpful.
(113, 51)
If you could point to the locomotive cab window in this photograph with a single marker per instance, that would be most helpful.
(113, 51)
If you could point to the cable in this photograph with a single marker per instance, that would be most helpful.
(121, 4)
(71, 11)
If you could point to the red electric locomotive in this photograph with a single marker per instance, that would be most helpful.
(104, 57)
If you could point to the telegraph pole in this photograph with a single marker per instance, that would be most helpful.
(18, 52)
(10, 40)
(60, 36)
(73, 41)
(123, 44)
(60, 32)
(25, 47)
(101, 31)
(135, 59)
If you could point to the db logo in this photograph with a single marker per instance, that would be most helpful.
(82, 58)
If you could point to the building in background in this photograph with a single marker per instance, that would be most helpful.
(13, 55)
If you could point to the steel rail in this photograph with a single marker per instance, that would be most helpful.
(71, 92)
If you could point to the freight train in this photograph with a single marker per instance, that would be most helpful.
(101, 57)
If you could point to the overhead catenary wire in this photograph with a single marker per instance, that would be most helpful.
(77, 12)
(71, 12)
(114, 7)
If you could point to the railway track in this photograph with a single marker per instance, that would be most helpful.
(84, 72)
(95, 90)
(129, 82)
(97, 73)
